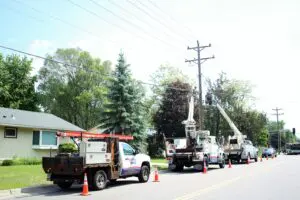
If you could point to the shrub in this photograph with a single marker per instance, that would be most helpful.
(27, 161)
(7, 162)
(67, 148)
(22, 161)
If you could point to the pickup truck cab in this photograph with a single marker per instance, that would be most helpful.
(241, 152)
(103, 160)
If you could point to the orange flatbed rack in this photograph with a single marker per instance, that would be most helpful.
(93, 135)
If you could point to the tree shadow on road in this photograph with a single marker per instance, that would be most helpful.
(77, 188)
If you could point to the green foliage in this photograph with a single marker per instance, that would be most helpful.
(124, 112)
(22, 161)
(262, 138)
(272, 125)
(162, 77)
(155, 145)
(7, 162)
(74, 92)
(16, 84)
(67, 148)
(235, 98)
(173, 110)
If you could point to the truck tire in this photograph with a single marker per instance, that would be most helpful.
(178, 168)
(64, 185)
(256, 158)
(206, 162)
(222, 164)
(99, 180)
(144, 174)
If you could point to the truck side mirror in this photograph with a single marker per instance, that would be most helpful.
(136, 152)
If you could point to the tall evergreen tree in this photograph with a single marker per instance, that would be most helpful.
(124, 113)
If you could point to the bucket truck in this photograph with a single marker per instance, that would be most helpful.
(238, 148)
(197, 148)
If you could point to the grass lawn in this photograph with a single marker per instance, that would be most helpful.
(158, 160)
(162, 167)
(21, 176)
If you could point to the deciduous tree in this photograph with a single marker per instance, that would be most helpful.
(16, 84)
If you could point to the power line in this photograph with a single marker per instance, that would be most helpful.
(126, 11)
(129, 22)
(75, 26)
(149, 15)
(98, 16)
(161, 22)
(187, 28)
(76, 66)
(64, 22)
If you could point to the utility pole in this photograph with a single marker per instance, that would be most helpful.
(278, 131)
(199, 61)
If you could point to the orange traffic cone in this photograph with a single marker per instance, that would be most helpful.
(229, 164)
(85, 189)
(204, 168)
(156, 175)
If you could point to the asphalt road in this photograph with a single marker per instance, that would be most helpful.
(272, 179)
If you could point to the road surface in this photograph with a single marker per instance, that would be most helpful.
(274, 179)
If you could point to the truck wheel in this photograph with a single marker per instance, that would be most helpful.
(144, 174)
(99, 180)
(256, 158)
(206, 162)
(179, 168)
(222, 164)
(64, 185)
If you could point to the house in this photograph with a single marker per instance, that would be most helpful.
(30, 134)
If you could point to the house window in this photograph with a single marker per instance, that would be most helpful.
(36, 138)
(44, 139)
(10, 132)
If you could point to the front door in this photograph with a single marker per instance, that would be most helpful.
(128, 160)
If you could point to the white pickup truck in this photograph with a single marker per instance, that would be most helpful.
(240, 152)
(104, 159)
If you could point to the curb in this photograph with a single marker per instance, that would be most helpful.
(28, 191)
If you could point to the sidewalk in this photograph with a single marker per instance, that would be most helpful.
(28, 191)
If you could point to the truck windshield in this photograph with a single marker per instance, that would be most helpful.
(295, 146)
(202, 140)
(233, 141)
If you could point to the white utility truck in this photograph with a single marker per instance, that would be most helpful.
(195, 149)
(103, 157)
(237, 147)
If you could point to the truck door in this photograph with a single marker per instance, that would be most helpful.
(128, 160)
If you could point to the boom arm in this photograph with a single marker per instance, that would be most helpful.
(231, 124)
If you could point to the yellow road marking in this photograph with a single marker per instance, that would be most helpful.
(222, 184)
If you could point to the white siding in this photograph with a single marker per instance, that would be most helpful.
(22, 145)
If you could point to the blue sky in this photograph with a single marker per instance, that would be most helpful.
(252, 40)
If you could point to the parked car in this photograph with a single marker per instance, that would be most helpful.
(270, 152)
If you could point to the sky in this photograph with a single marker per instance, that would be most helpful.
(252, 40)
